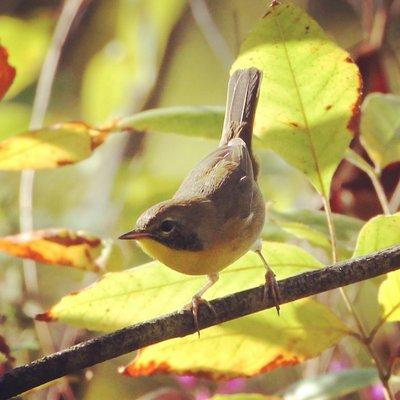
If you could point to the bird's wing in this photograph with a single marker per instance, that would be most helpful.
(225, 176)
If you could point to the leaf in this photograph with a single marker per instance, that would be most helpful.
(203, 121)
(14, 118)
(50, 147)
(311, 226)
(119, 77)
(381, 232)
(378, 233)
(26, 41)
(122, 298)
(380, 128)
(56, 246)
(142, 293)
(333, 385)
(309, 93)
(251, 345)
(7, 72)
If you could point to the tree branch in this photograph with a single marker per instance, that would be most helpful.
(180, 323)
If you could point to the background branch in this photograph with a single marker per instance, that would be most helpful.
(180, 323)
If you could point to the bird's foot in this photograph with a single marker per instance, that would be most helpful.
(271, 286)
(193, 306)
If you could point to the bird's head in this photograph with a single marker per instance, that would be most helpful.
(177, 224)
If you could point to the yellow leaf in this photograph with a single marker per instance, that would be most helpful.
(50, 147)
(309, 93)
(247, 346)
(381, 232)
(55, 246)
(141, 293)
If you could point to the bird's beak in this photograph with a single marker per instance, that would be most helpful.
(134, 235)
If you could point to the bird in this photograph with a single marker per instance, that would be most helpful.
(218, 212)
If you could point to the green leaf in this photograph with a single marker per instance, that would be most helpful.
(309, 93)
(311, 226)
(26, 41)
(203, 121)
(122, 298)
(14, 118)
(50, 147)
(332, 386)
(380, 128)
(118, 78)
(56, 246)
(378, 233)
(381, 232)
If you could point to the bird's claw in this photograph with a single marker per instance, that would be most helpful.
(271, 286)
(193, 306)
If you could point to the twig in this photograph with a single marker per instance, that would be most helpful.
(362, 332)
(40, 104)
(394, 203)
(355, 159)
(211, 33)
(180, 323)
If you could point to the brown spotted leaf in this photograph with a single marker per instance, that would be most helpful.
(304, 329)
(246, 346)
(309, 92)
(56, 246)
(50, 147)
(7, 72)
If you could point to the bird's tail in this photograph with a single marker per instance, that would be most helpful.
(243, 90)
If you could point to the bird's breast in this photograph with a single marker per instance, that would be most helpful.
(209, 260)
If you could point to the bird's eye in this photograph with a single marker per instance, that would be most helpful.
(167, 226)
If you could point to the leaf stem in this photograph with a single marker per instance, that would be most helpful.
(394, 203)
(373, 175)
(363, 335)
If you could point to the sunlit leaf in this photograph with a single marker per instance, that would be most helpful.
(14, 118)
(7, 72)
(250, 345)
(50, 147)
(138, 294)
(202, 121)
(56, 246)
(380, 128)
(378, 233)
(381, 232)
(141, 293)
(118, 78)
(309, 92)
(333, 385)
(26, 41)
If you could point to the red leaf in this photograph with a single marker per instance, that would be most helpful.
(7, 72)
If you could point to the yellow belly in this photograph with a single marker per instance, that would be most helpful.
(201, 262)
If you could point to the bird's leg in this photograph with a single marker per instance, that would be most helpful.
(198, 299)
(271, 285)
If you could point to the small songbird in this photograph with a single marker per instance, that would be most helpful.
(218, 212)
